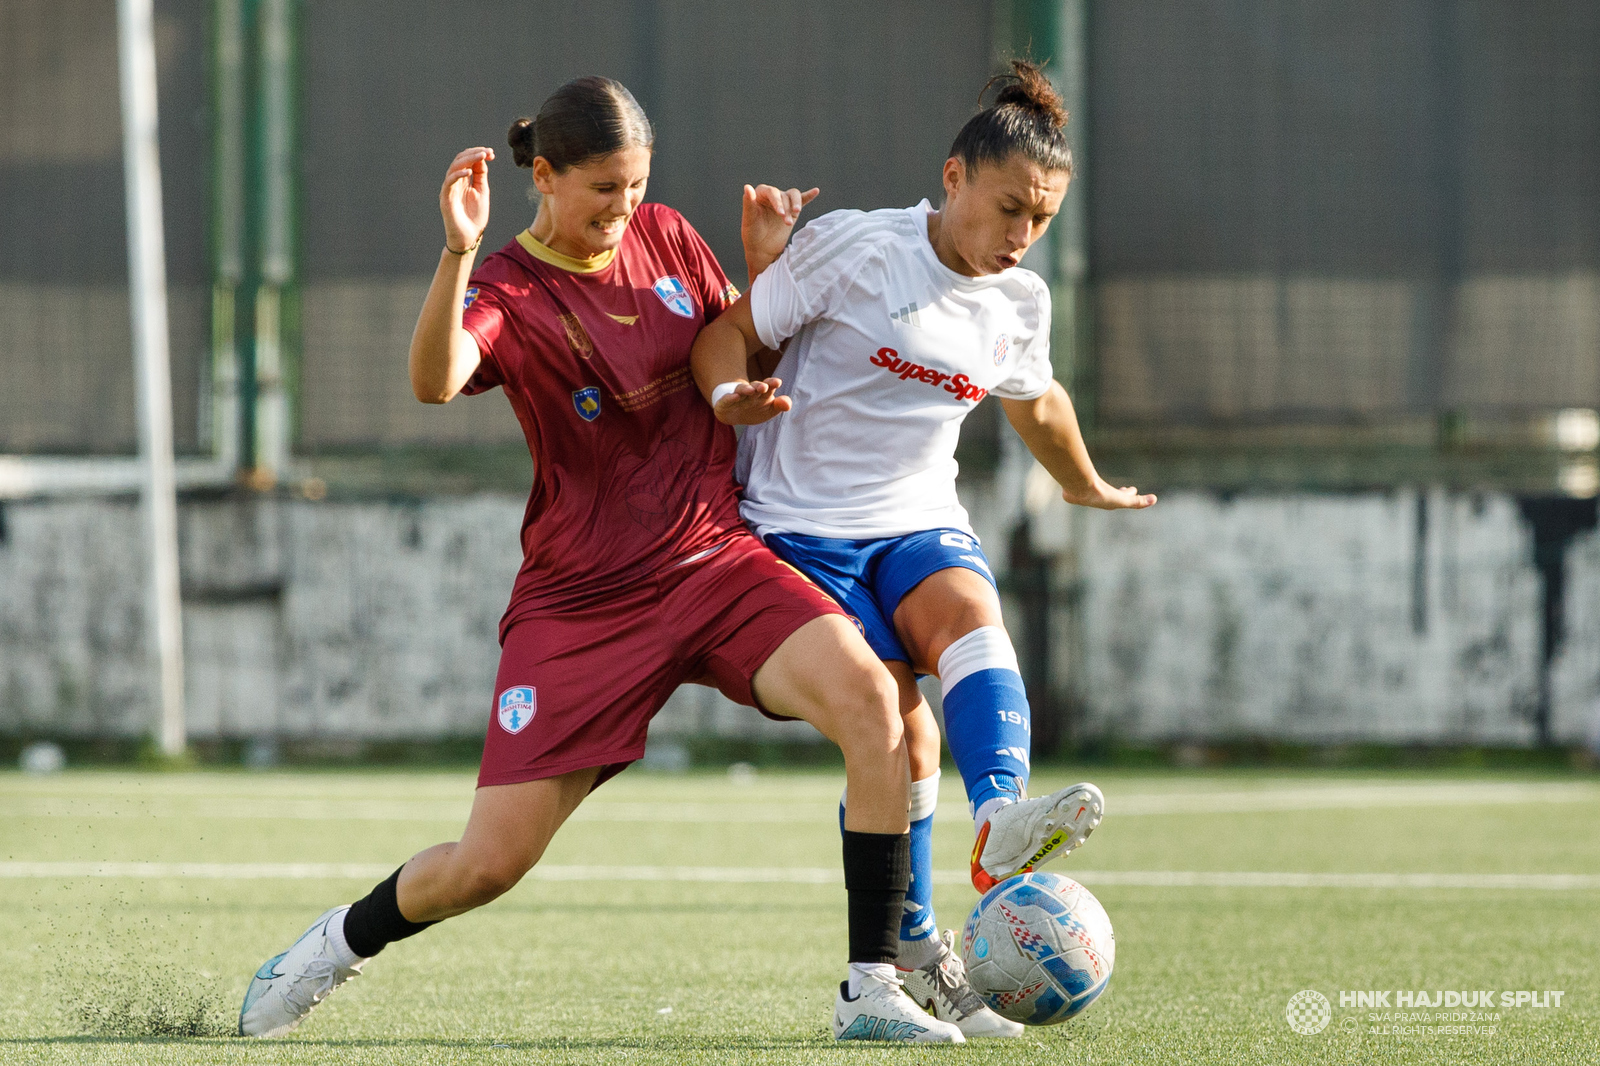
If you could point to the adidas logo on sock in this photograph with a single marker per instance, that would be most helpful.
(907, 315)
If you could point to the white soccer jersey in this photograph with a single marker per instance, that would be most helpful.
(890, 350)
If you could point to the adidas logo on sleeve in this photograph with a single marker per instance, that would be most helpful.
(907, 316)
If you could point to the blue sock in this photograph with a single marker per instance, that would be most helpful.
(986, 716)
(919, 927)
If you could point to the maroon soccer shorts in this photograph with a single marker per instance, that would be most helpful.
(577, 688)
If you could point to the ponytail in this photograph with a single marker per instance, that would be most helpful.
(1027, 117)
(584, 119)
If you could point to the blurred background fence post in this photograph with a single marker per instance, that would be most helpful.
(147, 300)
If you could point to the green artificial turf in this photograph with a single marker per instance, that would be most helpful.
(584, 971)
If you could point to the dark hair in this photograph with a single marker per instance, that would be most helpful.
(1027, 117)
(584, 119)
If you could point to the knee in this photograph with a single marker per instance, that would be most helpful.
(870, 714)
(485, 879)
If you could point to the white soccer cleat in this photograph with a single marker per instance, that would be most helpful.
(883, 1011)
(288, 986)
(941, 989)
(1025, 835)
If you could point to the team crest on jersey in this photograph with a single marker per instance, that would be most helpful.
(517, 708)
(577, 337)
(1002, 348)
(472, 298)
(587, 403)
(674, 295)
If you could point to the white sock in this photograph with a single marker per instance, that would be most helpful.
(925, 796)
(883, 971)
(989, 807)
(334, 930)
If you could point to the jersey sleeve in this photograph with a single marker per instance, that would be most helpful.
(711, 286)
(484, 317)
(812, 275)
(1031, 374)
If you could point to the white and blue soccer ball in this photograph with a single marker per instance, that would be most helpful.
(1038, 948)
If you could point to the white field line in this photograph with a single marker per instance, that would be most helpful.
(790, 875)
(1333, 797)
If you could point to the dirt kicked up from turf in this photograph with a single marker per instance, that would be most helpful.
(102, 992)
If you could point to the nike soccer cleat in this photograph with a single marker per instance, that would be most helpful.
(287, 986)
(883, 1011)
(1025, 835)
(941, 989)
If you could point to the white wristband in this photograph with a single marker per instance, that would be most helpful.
(723, 390)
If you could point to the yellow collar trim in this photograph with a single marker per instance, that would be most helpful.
(539, 250)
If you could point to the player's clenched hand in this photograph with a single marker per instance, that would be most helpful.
(464, 198)
(1108, 497)
(752, 403)
(768, 216)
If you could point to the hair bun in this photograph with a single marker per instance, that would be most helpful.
(520, 137)
(1028, 88)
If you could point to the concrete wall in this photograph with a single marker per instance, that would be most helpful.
(365, 620)
(1391, 617)
(1399, 617)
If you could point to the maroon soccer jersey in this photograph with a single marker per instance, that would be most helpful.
(632, 471)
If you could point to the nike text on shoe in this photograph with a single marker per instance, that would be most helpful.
(941, 989)
(287, 986)
(883, 1011)
(1025, 835)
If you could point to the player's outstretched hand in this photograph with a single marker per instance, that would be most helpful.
(1108, 497)
(752, 403)
(768, 217)
(464, 198)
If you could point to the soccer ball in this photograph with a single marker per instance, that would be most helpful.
(1038, 948)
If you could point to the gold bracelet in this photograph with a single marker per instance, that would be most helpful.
(464, 251)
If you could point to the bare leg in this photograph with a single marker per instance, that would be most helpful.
(922, 729)
(944, 607)
(507, 832)
(826, 674)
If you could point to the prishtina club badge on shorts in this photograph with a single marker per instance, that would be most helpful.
(517, 708)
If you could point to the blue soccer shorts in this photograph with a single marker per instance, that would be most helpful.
(869, 578)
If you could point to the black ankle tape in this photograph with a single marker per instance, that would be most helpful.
(374, 921)
(877, 869)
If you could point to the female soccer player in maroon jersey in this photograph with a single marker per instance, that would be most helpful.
(638, 573)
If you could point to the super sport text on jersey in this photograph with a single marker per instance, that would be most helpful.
(957, 385)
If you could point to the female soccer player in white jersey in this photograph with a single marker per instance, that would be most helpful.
(896, 324)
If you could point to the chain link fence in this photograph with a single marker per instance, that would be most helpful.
(1347, 211)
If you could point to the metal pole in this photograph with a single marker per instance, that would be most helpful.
(227, 225)
(275, 37)
(147, 289)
